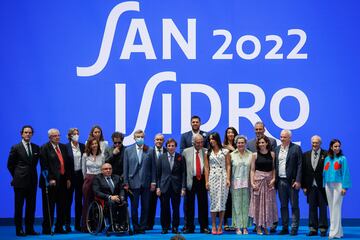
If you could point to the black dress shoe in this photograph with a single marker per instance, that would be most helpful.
(293, 232)
(187, 231)
(311, 233)
(68, 228)
(323, 234)
(20, 233)
(31, 232)
(284, 232)
(273, 229)
(164, 231)
(205, 230)
(47, 232)
(175, 231)
(60, 231)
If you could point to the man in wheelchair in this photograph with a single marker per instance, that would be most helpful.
(109, 188)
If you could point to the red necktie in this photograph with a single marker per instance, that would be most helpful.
(58, 153)
(198, 166)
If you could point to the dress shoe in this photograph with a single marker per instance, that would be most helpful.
(78, 228)
(60, 230)
(164, 231)
(47, 232)
(323, 234)
(68, 228)
(184, 228)
(188, 230)
(311, 233)
(149, 228)
(175, 231)
(20, 233)
(273, 229)
(293, 232)
(205, 230)
(284, 231)
(31, 232)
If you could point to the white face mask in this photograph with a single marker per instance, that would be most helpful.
(75, 138)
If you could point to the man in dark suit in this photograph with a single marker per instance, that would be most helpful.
(187, 137)
(109, 187)
(171, 182)
(312, 184)
(22, 162)
(156, 153)
(54, 160)
(140, 178)
(288, 162)
(195, 185)
(75, 151)
(259, 129)
(115, 154)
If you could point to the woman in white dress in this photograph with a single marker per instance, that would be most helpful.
(217, 179)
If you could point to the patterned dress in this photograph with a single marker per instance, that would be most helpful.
(217, 180)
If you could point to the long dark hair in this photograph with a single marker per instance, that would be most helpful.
(331, 152)
(92, 131)
(88, 150)
(226, 140)
(216, 137)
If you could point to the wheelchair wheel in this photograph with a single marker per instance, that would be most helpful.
(94, 218)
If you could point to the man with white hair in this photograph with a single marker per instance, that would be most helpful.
(312, 184)
(54, 161)
(288, 163)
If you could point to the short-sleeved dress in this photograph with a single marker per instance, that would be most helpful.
(217, 180)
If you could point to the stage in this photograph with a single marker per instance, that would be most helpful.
(8, 232)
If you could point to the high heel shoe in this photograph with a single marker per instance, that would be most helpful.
(258, 231)
(213, 231)
(266, 231)
(219, 231)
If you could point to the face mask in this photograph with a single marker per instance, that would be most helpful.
(75, 138)
(139, 141)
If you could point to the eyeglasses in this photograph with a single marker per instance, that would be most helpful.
(117, 143)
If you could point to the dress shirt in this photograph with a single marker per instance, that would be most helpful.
(282, 160)
(314, 162)
(77, 156)
(201, 162)
(26, 147)
(139, 151)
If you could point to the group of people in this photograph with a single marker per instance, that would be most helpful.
(240, 176)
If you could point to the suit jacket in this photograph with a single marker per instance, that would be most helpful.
(309, 174)
(49, 161)
(102, 189)
(186, 140)
(139, 175)
(116, 161)
(188, 155)
(21, 167)
(251, 145)
(71, 156)
(175, 178)
(293, 163)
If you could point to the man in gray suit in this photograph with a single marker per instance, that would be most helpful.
(140, 178)
(195, 185)
(259, 129)
(288, 164)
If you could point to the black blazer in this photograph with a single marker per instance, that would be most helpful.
(21, 167)
(102, 189)
(293, 163)
(49, 161)
(116, 161)
(309, 174)
(175, 178)
(71, 156)
(154, 156)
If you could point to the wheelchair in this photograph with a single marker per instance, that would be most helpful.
(100, 218)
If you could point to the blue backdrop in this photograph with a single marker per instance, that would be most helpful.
(153, 64)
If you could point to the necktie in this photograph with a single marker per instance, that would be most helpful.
(314, 162)
(158, 153)
(29, 150)
(61, 160)
(198, 166)
(140, 155)
(111, 184)
(171, 161)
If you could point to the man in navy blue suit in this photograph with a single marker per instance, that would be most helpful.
(288, 165)
(22, 162)
(187, 137)
(139, 178)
